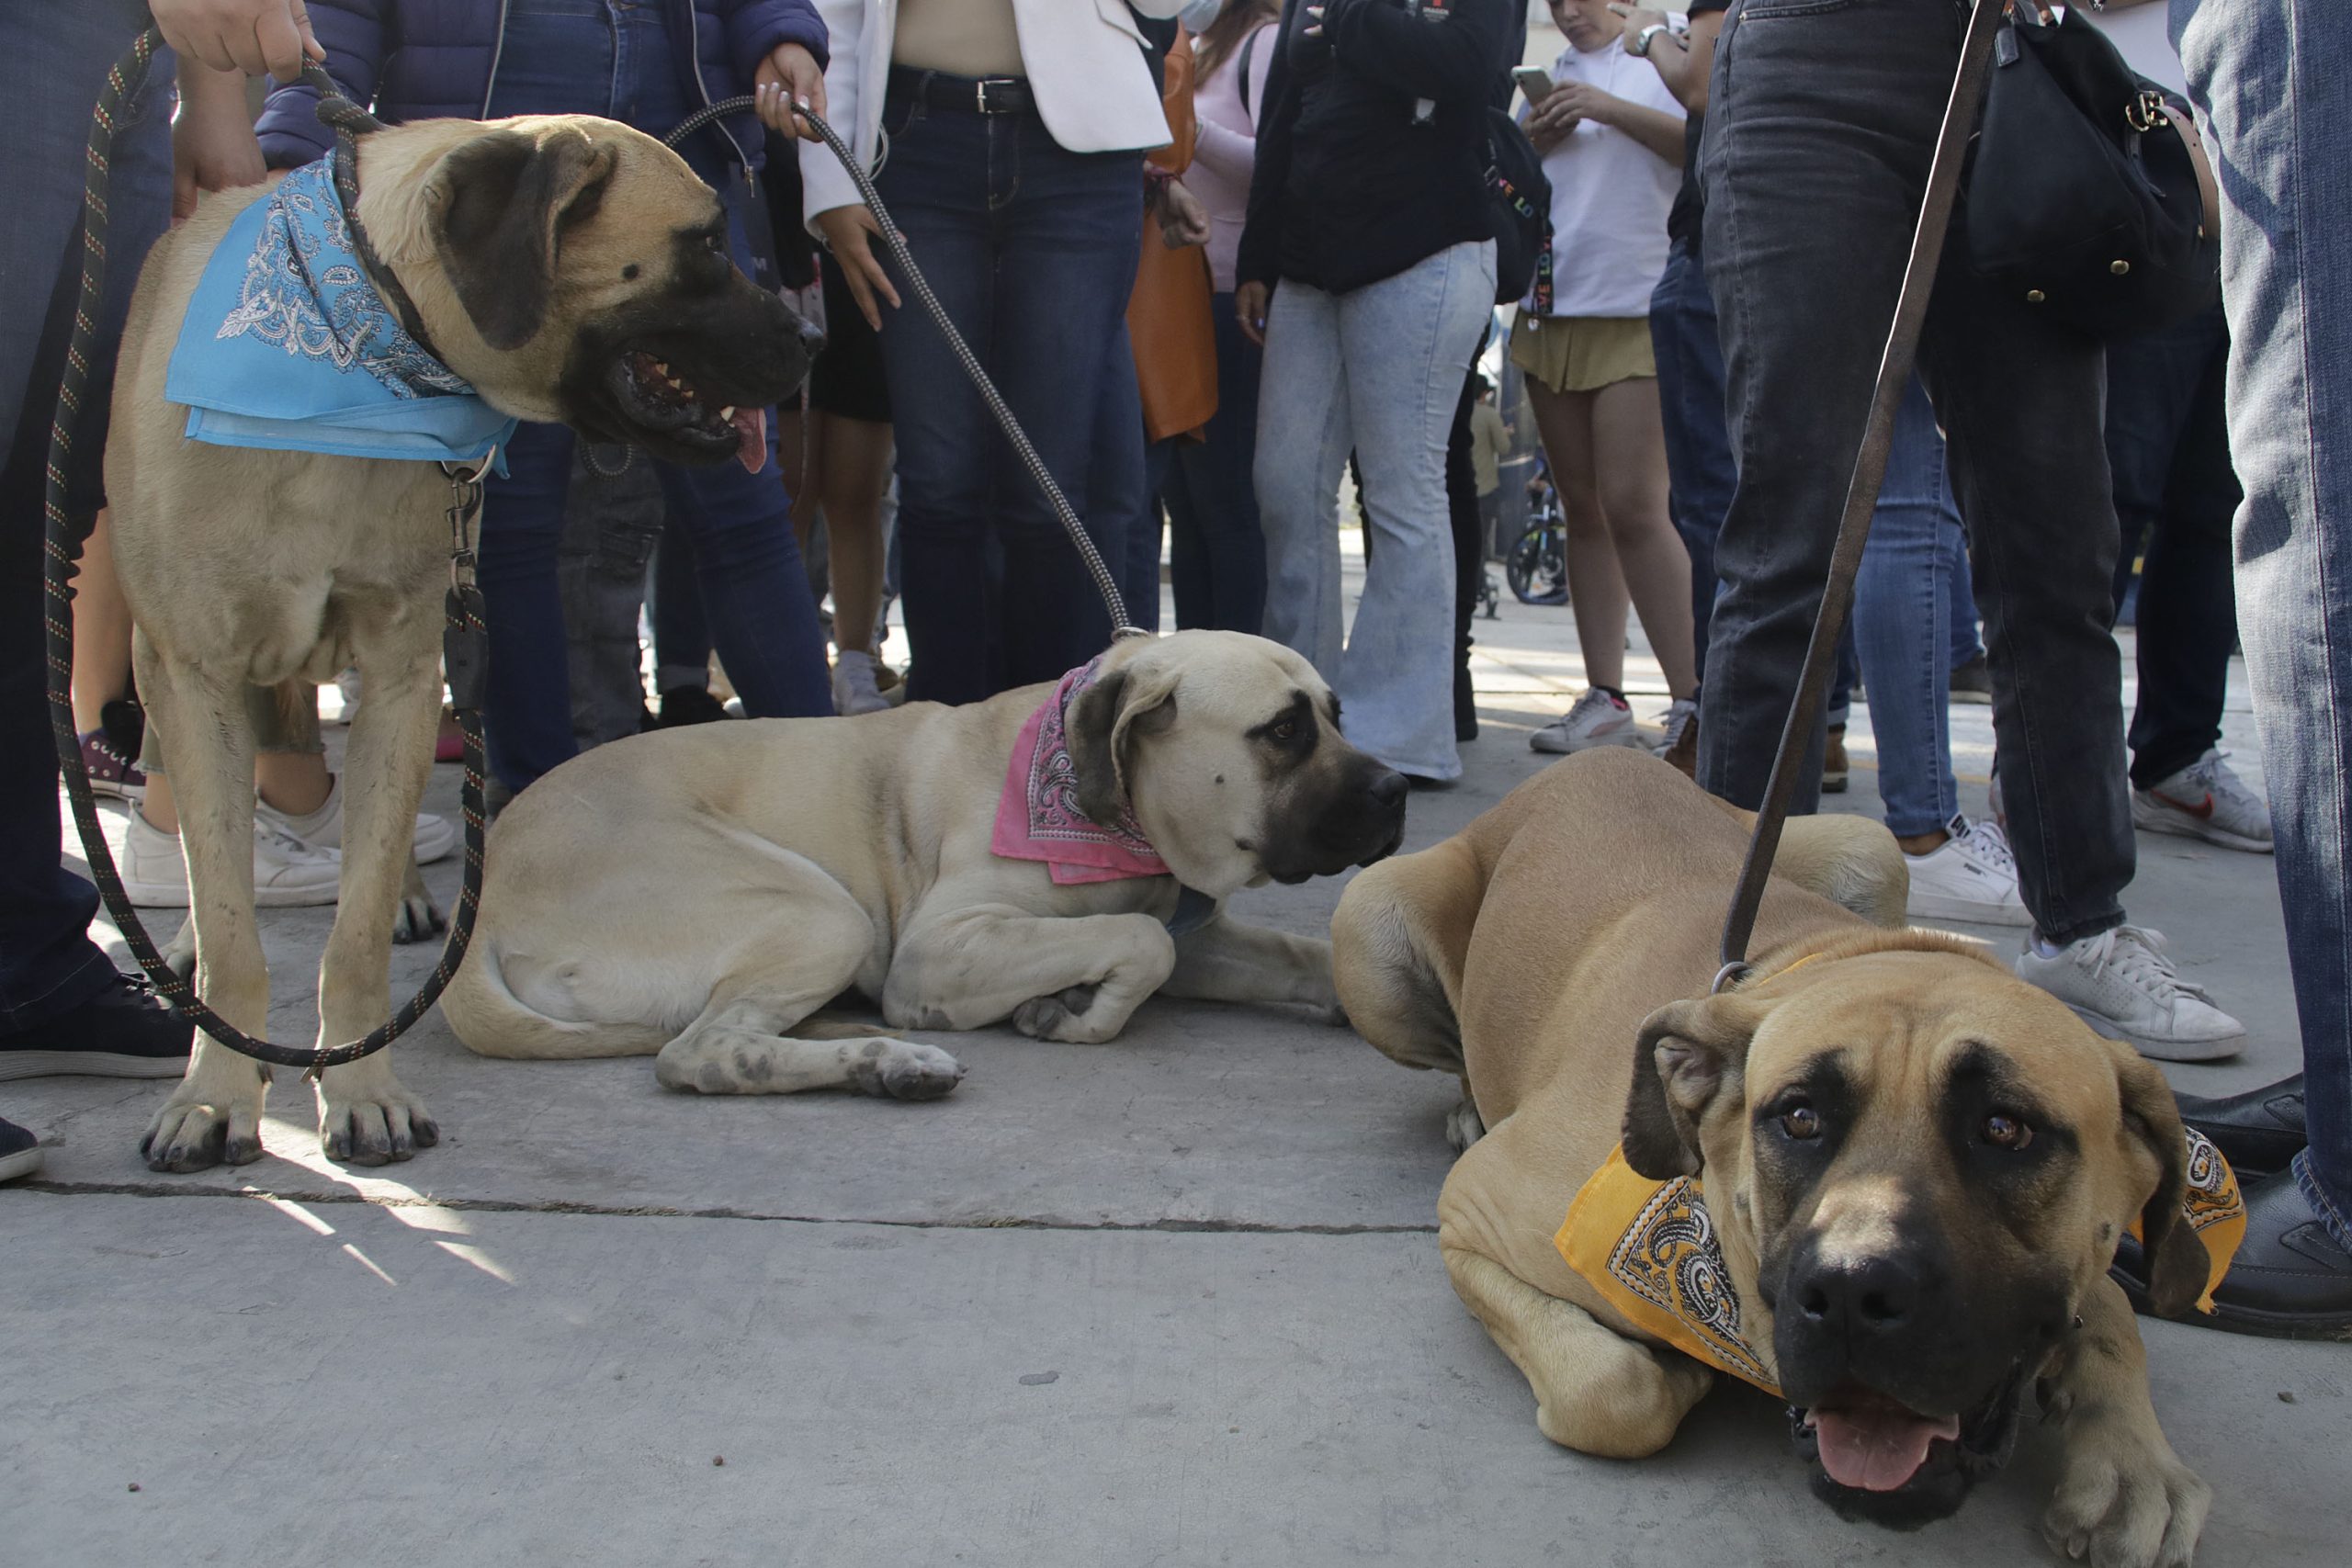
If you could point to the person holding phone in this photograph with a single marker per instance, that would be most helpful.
(1367, 270)
(1612, 138)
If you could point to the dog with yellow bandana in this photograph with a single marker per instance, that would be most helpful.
(1879, 1175)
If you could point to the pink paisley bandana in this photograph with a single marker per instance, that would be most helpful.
(1037, 816)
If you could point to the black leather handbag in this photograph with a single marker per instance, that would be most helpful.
(1519, 203)
(2089, 196)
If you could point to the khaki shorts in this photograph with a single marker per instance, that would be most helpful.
(1583, 353)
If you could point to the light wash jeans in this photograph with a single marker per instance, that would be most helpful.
(2270, 78)
(1377, 371)
(1904, 634)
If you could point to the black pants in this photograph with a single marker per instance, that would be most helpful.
(2168, 442)
(1469, 549)
(1821, 123)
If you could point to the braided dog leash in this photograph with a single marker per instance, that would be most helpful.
(463, 642)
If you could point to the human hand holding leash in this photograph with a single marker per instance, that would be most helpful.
(213, 145)
(849, 233)
(249, 36)
(789, 79)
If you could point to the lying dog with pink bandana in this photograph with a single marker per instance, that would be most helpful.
(1052, 856)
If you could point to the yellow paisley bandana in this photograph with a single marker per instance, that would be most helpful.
(1651, 1248)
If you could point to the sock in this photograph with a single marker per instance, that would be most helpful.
(2043, 948)
(1613, 694)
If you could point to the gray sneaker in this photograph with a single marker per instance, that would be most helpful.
(2205, 800)
(2120, 983)
(856, 684)
(1597, 719)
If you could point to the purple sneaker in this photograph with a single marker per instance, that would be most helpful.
(111, 773)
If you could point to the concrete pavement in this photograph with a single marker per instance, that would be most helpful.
(1173, 1300)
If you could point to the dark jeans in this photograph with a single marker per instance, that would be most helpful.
(53, 60)
(1686, 340)
(1216, 555)
(1032, 249)
(1821, 122)
(1469, 548)
(2169, 442)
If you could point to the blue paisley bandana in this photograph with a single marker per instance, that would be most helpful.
(287, 345)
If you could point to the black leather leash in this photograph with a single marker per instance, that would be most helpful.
(464, 643)
(1960, 113)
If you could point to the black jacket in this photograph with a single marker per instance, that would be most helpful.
(1350, 187)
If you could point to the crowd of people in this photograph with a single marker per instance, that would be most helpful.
(1214, 256)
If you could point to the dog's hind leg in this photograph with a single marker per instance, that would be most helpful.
(1226, 961)
(366, 1114)
(738, 1045)
(1397, 940)
(208, 744)
(1074, 978)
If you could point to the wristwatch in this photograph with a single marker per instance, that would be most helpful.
(1640, 48)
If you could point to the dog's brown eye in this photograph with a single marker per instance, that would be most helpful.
(1801, 1122)
(1286, 730)
(2006, 1132)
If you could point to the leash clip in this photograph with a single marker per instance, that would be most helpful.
(1730, 975)
(465, 505)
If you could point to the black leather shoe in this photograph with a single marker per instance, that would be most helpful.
(20, 1151)
(2258, 1132)
(2289, 1281)
(124, 1031)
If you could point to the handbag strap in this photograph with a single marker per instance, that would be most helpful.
(1861, 490)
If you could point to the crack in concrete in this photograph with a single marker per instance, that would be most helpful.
(663, 1211)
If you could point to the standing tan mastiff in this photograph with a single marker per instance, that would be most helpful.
(694, 895)
(1916, 1167)
(571, 270)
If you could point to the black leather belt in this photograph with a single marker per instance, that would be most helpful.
(940, 92)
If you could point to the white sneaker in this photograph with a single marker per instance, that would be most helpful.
(2120, 983)
(855, 689)
(1598, 720)
(1972, 875)
(323, 829)
(1680, 714)
(2206, 800)
(286, 871)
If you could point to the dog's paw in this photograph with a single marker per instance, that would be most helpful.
(367, 1117)
(211, 1123)
(420, 919)
(1058, 1016)
(179, 953)
(906, 1070)
(1463, 1126)
(2126, 1501)
(1333, 1015)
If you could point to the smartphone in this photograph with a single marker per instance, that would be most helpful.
(1535, 81)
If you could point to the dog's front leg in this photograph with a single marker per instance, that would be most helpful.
(1226, 961)
(365, 1115)
(208, 746)
(2124, 1498)
(1076, 978)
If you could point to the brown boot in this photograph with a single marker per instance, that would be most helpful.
(1834, 767)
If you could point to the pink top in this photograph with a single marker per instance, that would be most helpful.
(1227, 146)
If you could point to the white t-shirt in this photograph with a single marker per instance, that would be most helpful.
(1609, 194)
(2139, 35)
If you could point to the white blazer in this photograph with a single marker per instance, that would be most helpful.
(1086, 67)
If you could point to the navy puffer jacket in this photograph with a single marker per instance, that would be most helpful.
(434, 60)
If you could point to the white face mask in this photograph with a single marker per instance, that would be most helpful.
(1197, 16)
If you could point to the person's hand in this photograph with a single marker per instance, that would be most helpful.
(849, 233)
(247, 36)
(790, 78)
(1552, 121)
(1579, 101)
(213, 146)
(1250, 311)
(1184, 221)
(1636, 17)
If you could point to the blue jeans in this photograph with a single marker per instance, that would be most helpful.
(1807, 99)
(1032, 249)
(1902, 626)
(583, 56)
(53, 60)
(1377, 371)
(2270, 76)
(2169, 442)
(1217, 551)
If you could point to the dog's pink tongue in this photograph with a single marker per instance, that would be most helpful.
(1879, 1447)
(752, 439)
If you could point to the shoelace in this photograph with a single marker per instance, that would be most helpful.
(2138, 955)
(281, 839)
(1678, 719)
(1984, 842)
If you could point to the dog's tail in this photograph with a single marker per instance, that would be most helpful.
(493, 1020)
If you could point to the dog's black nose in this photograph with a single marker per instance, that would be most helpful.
(1388, 789)
(813, 337)
(1859, 1298)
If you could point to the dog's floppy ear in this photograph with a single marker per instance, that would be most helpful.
(1103, 727)
(1687, 1053)
(500, 204)
(2178, 1264)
